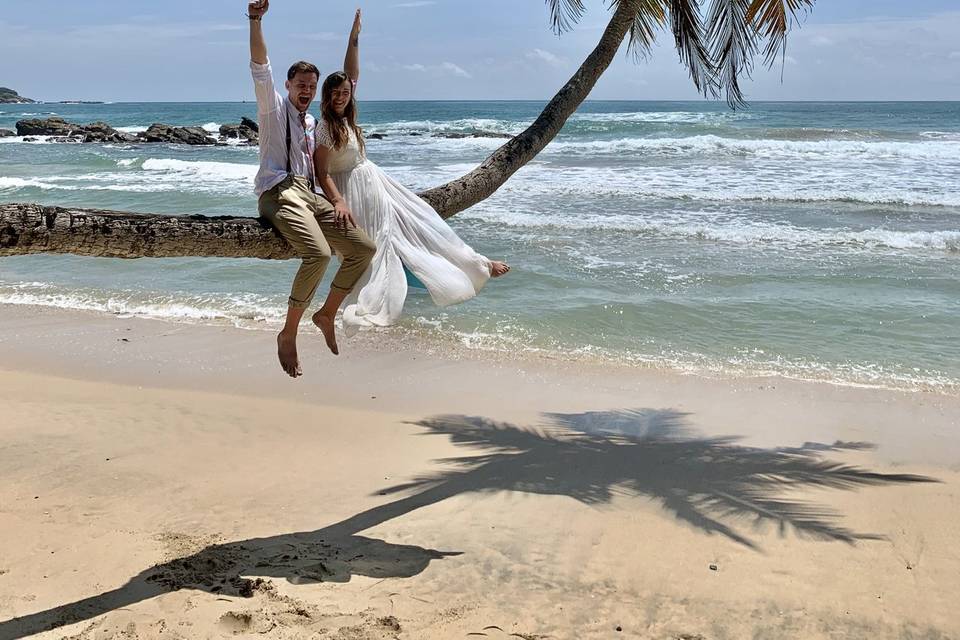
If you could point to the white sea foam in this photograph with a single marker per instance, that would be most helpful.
(707, 145)
(662, 116)
(743, 232)
(212, 127)
(24, 183)
(941, 135)
(132, 129)
(201, 169)
(235, 309)
(463, 125)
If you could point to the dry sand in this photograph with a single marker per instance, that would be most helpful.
(166, 481)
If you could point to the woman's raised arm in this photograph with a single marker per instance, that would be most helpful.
(351, 62)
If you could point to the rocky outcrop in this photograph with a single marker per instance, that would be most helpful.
(248, 132)
(177, 135)
(70, 132)
(9, 96)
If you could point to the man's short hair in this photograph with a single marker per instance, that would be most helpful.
(302, 67)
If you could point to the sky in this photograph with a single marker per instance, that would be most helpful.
(185, 50)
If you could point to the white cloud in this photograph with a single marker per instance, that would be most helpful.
(546, 56)
(444, 68)
(455, 69)
(954, 55)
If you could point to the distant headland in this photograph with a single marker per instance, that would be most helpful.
(9, 96)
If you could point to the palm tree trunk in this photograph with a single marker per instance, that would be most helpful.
(483, 181)
(31, 228)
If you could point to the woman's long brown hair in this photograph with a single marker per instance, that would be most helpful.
(336, 124)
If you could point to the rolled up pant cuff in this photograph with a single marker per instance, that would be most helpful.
(297, 304)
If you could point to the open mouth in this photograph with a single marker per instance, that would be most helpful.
(303, 101)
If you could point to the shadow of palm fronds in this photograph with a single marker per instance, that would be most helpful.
(709, 483)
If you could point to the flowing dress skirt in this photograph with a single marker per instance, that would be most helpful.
(408, 232)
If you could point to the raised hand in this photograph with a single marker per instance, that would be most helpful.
(257, 8)
(355, 30)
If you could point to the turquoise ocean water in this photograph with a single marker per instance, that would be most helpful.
(810, 240)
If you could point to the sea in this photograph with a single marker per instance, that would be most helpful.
(816, 241)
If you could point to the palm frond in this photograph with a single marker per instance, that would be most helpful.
(564, 14)
(733, 43)
(651, 17)
(772, 20)
(688, 32)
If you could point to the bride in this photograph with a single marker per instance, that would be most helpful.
(407, 231)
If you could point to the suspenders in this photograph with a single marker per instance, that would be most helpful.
(311, 178)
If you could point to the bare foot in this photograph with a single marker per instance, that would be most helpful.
(328, 329)
(287, 354)
(498, 268)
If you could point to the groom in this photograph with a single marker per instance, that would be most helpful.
(284, 185)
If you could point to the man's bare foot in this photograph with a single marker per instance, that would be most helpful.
(498, 268)
(328, 329)
(287, 354)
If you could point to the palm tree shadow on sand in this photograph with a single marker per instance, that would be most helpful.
(711, 484)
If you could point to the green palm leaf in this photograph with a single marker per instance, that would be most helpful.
(733, 43)
(772, 19)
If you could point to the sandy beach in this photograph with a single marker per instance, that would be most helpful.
(163, 480)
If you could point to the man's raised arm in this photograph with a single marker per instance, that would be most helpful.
(258, 48)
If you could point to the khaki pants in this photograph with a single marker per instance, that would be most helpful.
(306, 221)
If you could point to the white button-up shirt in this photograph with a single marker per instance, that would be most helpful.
(273, 112)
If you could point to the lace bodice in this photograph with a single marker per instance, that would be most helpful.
(343, 159)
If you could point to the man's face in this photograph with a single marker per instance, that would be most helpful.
(302, 89)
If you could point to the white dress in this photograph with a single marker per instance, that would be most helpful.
(408, 232)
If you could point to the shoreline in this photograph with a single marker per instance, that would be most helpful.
(92, 346)
(168, 481)
(455, 345)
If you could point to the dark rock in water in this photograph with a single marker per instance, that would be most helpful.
(49, 127)
(472, 134)
(241, 131)
(102, 132)
(250, 124)
(6, 133)
(414, 133)
(64, 131)
(177, 135)
(376, 136)
(29, 139)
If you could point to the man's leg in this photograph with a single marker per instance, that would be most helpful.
(356, 250)
(288, 208)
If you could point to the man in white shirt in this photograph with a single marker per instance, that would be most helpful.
(287, 200)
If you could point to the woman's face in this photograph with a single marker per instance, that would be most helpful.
(340, 97)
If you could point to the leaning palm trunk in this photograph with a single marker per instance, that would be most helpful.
(482, 182)
(31, 228)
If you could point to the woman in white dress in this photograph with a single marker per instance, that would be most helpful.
(407, 231)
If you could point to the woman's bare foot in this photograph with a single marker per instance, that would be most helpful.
(498, 268)
(287, 354)
(328, 329)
